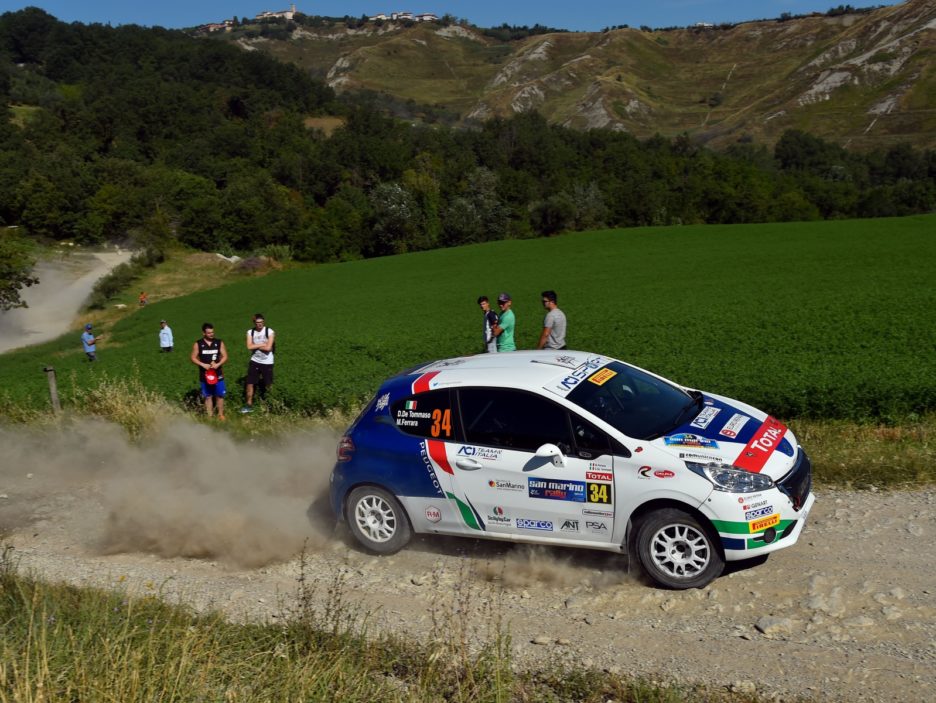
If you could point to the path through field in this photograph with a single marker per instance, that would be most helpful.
(849, 614)
(64, 286)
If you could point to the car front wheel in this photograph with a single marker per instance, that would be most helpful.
(676, 550)
(377, 520)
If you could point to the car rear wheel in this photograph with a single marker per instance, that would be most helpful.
(377, 520)
(676, 550)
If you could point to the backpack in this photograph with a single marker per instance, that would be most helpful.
(253, 338)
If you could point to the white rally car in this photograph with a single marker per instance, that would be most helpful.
(576, 449)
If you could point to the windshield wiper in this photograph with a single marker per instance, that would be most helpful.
(696, 401)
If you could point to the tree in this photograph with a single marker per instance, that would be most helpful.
(16, 265)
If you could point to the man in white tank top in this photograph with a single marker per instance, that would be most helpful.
(261, 343)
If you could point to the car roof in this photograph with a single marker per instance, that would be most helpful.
(521, 369)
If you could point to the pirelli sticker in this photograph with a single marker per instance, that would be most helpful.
(601, 377)
(764, 523)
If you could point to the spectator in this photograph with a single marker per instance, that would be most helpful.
(209, 354)
(490, 320)
(89, 342)
(165, 336)
(261, 341)
(504, 329)
(143, 299)
(554, 324)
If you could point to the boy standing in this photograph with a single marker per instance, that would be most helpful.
(490, 321)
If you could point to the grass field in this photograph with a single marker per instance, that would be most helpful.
(821, 320)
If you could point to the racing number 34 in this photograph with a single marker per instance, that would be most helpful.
(441, 422)
(599, 493)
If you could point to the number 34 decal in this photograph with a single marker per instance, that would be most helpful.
(441, 423)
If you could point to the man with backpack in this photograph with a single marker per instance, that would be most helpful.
(261, 342)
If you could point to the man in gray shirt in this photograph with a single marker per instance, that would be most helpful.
(554, 325)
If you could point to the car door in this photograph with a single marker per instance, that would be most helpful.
(547, 496)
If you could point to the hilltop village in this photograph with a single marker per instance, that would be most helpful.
(288, 15)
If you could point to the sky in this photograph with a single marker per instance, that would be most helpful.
(575, 15)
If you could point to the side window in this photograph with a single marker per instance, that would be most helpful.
(513, 419)
(590, 442)
(429, 415)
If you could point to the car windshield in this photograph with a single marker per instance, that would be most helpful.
(634, 402)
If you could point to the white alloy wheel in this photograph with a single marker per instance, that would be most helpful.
(676, 550)
(377, 520)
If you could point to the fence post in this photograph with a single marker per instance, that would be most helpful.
(53, 389)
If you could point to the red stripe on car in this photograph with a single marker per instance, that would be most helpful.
(421, 384)
(437, 454)
(765, 440)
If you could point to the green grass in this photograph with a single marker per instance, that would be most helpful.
(821, 320)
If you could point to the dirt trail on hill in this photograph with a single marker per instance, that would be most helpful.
(64, 286)
(849, 614)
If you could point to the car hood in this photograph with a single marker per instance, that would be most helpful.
(733, 433)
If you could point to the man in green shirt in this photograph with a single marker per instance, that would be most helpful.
(504, 329)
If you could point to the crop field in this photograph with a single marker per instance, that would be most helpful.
(822, 320)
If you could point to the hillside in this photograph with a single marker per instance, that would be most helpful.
(863, 80)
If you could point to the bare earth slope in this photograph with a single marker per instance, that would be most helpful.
(848, 614)
(867, 80)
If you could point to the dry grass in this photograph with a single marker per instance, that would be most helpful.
(326, 124)
(863, 456)
(182, 273)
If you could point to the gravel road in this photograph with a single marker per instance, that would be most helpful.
(848, 614)
(64, 285)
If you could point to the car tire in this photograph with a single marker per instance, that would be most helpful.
(677, 551)
(377, 520)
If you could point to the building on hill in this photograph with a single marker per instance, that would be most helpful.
(280, 14)
(404, 16)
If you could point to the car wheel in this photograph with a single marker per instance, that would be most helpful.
(377, 520)
(677, 551)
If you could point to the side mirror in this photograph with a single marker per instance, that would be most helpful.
(551, 451)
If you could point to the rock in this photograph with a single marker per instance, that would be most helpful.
(859, 621)
(748, 688)
(898, 593)
(775, 627)
(891, 612)
(563, 641)
(542, 639)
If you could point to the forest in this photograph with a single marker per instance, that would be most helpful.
(152, 136)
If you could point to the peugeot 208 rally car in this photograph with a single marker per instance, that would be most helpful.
(576, 449)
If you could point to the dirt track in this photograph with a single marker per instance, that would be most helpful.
(848, 614)
(64, 285)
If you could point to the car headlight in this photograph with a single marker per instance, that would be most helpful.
(727, 478)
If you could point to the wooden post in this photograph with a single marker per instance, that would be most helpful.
(53, 389)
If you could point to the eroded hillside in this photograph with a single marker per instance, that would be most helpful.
(865, 80)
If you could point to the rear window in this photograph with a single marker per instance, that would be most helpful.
(427, 415)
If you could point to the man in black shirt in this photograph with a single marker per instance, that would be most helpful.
(209, 354)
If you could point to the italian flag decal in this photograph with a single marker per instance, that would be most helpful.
(436, 450)
(765, 440)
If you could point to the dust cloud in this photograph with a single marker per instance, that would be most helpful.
(188, 492)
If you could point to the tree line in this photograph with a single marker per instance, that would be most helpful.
(114, 133)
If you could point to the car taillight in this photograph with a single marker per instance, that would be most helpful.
(345, 449)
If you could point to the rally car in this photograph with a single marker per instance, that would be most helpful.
(577, 449)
